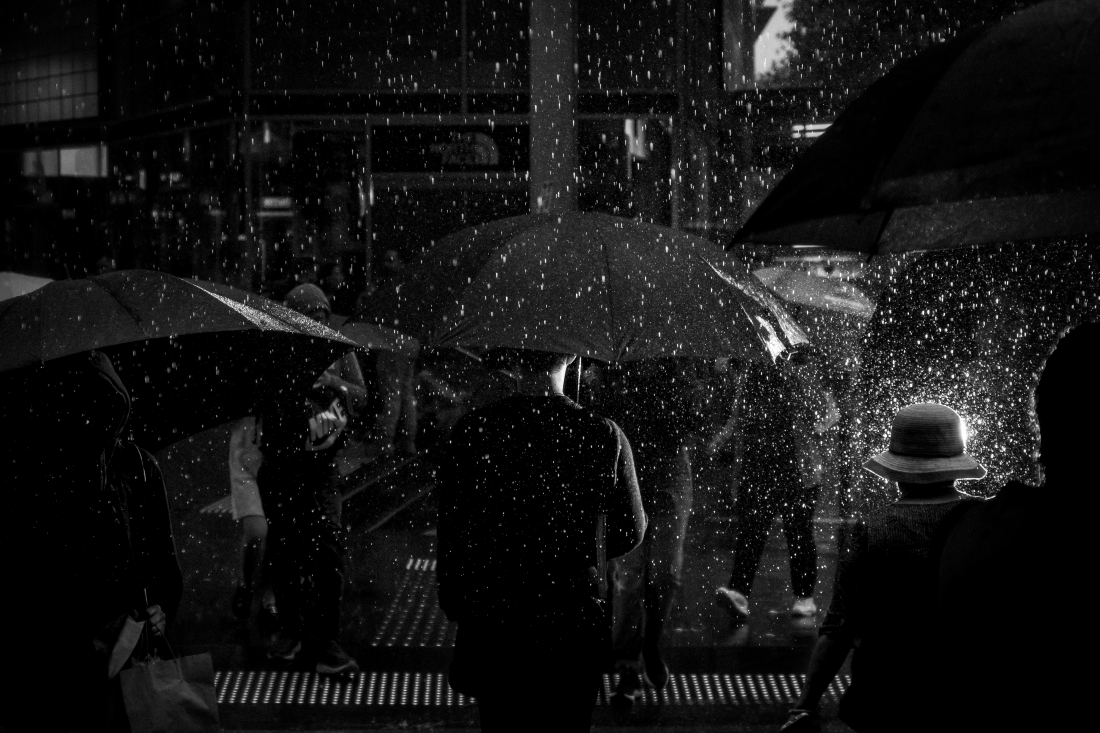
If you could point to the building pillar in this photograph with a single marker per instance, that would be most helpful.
(553, 130)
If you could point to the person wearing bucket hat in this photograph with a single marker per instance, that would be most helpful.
(927, 446)
(882, 607)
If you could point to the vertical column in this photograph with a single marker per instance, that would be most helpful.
(553, 132)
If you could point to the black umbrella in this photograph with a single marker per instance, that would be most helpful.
(589, 284)
(192, 354)
(989, 137)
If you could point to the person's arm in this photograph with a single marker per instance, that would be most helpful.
(839, 627)
(729, 429)
(825, 661)
(626, 519)
(347, 376)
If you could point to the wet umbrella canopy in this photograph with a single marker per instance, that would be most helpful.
(190, 356)
(590, 284)
(989, 137)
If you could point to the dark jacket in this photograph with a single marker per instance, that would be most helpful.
(87, 534)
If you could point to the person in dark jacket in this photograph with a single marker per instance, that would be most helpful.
(1013, 575)
(660, 404)
(299, 488)
(87, 542)
(882, 606)
(522, 488)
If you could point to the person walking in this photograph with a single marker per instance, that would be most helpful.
(780, 475)
(883, 602)
(660, 403)
(522, 488)
(299, 488)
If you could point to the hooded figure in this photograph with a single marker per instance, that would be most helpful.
(88, 538)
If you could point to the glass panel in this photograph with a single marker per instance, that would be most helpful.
(498, 45)
(626, 44)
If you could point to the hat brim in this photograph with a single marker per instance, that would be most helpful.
(921, 470)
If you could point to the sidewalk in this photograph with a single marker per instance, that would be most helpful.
(722, 678)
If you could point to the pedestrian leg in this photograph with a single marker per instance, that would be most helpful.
(798, 514)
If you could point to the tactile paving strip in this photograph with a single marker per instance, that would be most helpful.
(430, 689)
(414, 618)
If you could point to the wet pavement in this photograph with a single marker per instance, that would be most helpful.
(722, 677)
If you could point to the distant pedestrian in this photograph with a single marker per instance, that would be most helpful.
(1013, 578)
(522, 486)
(245, 458)
(299, 487)
(883, 604)
(780, 475)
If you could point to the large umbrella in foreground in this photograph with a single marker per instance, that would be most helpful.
(589, 284)
(989, 137)
(192, 354)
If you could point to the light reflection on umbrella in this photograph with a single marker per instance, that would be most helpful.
(13, 284)
(805, 288)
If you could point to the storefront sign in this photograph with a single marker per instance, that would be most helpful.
(411, 148)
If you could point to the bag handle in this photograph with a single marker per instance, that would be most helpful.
(146, 637)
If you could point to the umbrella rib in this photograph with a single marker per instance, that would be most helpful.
(129, 311)
(607, 269)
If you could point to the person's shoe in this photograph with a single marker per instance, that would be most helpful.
(242, 602)
(286, 648)
(804, 607)
(627, 690)
(332, 659)
(655, 669)
(733, 601)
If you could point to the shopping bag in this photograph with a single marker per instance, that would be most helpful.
(171, 695)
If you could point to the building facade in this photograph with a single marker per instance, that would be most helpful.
(255, 143)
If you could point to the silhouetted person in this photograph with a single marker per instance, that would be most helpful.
(1014, 574)
(521, 488)
(660, 405)
(775, 433)
(882, 605)
(299, 487)
(87, 541)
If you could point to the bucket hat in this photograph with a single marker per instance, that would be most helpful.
(927, 444)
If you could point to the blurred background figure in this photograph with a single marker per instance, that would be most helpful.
(661, 406)
(333, 283)
(245, 458)
(780, 463)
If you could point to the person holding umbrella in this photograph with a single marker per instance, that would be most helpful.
(298, 482)
(522, 488)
